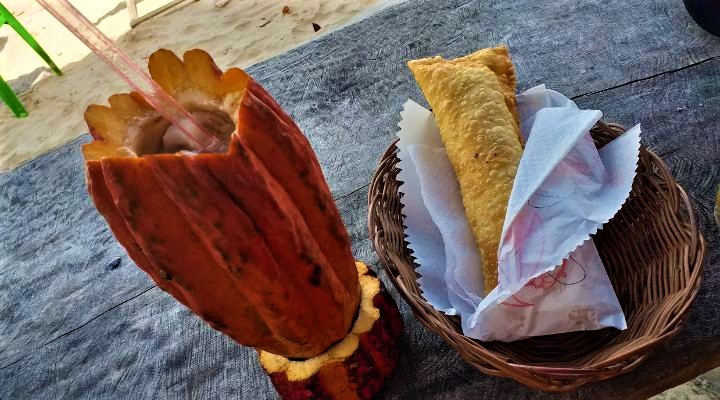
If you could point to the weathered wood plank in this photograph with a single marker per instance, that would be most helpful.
(346, 89)
(152, 347)
(54, 248)
(158, 350)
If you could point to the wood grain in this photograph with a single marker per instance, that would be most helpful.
(70, 328)
(54, 248)
(346, 89)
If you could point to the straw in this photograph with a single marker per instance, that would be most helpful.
(103, 47)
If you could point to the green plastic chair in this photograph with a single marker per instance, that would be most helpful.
(6, 93)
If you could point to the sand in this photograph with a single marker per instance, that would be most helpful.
(236, 32)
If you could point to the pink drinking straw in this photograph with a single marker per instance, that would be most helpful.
(103, 47)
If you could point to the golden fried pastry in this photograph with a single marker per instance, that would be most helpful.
(497, 59)
(473, 101)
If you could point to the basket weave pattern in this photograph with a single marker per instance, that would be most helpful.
(651, 249)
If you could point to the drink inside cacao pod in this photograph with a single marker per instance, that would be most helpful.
(249, 239)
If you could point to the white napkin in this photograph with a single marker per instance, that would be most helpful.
(551, 277)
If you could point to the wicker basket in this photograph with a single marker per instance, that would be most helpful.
(651, 249)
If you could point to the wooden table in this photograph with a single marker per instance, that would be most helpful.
(72, 327)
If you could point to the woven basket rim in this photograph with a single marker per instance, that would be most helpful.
(548, 377)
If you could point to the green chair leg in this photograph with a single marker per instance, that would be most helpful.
(6, 16)
(8, 97)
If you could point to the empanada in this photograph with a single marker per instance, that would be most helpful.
(473, 101)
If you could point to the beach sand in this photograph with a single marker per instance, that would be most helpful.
(235, 32)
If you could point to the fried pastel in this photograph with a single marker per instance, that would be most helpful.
(497, 59)
(480, 134)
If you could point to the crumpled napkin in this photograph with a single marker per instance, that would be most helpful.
(551, 278)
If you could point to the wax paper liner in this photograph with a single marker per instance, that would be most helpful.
(537, 298)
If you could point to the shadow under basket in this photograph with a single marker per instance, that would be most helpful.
(652, 251)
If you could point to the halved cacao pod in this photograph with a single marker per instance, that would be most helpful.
(353, 369)
(250, 239)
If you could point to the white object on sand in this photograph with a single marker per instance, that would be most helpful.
(135, 19)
